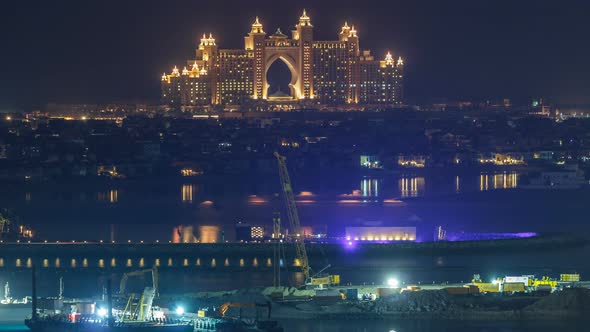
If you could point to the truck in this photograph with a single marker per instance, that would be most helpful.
(488, 287)
(513, 287)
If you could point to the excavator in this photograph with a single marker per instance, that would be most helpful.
(139, 308)
(316, 280)
(154, 272)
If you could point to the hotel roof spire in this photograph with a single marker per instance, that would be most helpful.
(304, 20)
(400, 61)
(257, 26)
(352, 32)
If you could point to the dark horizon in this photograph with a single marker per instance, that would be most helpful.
(101, 52)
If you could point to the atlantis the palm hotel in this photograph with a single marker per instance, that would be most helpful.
(333, 74)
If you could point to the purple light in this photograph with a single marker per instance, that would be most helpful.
(349, 245)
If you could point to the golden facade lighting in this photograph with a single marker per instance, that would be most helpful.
(331, 73)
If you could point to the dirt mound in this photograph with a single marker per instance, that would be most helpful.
(423, 301)
(575, 299)
(287, 291)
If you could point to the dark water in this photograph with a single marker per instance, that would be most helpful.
(150, 209)
(400, 326)
(12, 321)
(431, 326)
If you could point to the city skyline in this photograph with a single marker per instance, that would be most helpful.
(104, 53)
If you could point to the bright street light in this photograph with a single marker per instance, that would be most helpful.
(102, 312)
(392, 282)
(179, 310)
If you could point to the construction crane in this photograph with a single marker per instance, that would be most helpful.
(293, 215)
(317, 279)
(154, 271)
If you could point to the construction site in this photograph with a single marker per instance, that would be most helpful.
(319, 294)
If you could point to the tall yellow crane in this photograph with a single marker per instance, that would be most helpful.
(293, 215)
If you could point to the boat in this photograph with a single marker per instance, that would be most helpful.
(219, 320)
(208, 324)
(62, 324)
(568, 177)
(102, 319)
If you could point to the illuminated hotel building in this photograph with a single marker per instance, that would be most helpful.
(323, 73)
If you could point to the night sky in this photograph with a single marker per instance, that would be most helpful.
(115, 51)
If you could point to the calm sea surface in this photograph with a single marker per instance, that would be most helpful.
(150, 209)
(399, 326)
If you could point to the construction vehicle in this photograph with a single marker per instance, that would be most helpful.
(544, 283)
(513, 287)
(485, 287)
(154, 272)
(519, 284)
(574, 277)
(296, 234)
(139, 309)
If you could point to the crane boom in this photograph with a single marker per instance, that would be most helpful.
(154, 271)
(293, 215)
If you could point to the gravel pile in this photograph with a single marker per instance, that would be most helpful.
(575, 299)
(423, 301)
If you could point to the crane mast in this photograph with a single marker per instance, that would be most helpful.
(293, 215)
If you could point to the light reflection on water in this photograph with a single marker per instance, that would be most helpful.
(159, 206)
(404, 186)
(365, 325)
(370, 187)
(498, 181)
(411, 187)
